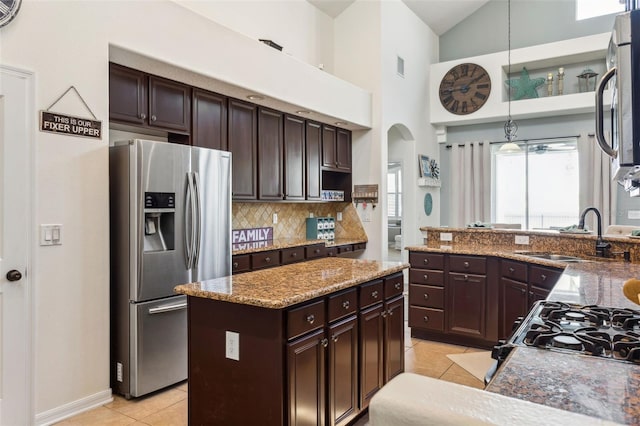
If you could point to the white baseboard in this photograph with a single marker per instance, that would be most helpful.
(72, 408)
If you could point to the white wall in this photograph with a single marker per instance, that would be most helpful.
(68, 43)
(300, 28)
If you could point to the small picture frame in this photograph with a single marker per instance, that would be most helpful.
(423, 163)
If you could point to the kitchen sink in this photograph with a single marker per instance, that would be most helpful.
(552, 256)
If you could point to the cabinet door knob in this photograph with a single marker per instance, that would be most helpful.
(531, 293)
(310, 318)
(153, 118)
(316, 251)
(390, 312)
(512, 270)
(523, 291)
(426, 261)
(345, 304)
(384, 314)
(426, 277)
(397, 286)
(235, 264)
(294, 254)
(426, 318)
(334, 338)
(267, 259)
(543, 277)
(324, 343)
(426, 296)
(466, 264)
(374, 294)
(466, 277)
(143, 116)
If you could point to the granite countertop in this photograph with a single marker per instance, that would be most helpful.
(282, 243)
(602, 388)
(288, 285)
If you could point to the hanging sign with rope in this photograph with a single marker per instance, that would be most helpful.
(70, 125)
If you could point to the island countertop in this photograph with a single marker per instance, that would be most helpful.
(288, 285)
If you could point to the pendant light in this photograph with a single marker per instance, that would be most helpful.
(510, 127)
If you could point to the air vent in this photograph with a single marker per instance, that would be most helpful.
(400, 67)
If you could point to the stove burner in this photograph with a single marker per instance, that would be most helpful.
(566, 342)
(575, 316)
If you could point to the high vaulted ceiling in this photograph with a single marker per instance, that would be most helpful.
(439, 15)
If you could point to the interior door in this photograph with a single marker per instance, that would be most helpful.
(16, 192)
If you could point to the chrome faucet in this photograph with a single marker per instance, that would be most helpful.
(601, 245)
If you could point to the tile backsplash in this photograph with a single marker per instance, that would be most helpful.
(292, 218)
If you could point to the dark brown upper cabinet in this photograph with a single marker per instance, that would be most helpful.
(146, 100)
(243, 144)
(294, 158)
(313, 156)
(127, 95)
(169, 104)
(270, 154)
(336, 149)
(209, 127)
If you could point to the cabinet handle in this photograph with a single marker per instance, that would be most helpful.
(153, 118)
(397, 286)
(466, 264)
(426, 261)
(531, 293)
(384, 314)
(374, 294)
(345, 304)
(426, 318)
(143, 116)
(294, 254)
(390, 312)
(267, 259)
(512, 270)
(310, 318)
(523, 291)
(324, 343)
(235, 264)
(334, 338)
(317, 251)
(426, 296)
(466, 277)
(426, 277)
(543, 276)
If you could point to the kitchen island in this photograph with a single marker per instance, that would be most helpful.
(306, 343)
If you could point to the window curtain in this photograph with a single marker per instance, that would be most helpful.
(596, 187)
(470, 176)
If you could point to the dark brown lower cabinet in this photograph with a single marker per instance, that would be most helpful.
(467, 304)
(306, 380)
(514, 304)
(316, 363)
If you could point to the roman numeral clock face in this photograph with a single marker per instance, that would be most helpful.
(464, 89)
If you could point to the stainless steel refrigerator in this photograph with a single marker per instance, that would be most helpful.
(170, 208)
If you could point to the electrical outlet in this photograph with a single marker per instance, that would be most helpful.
(522, 239)
(119, 371)
(446, 236)
(339, 216)
(633, 214)
(275, 218)
(233, 345)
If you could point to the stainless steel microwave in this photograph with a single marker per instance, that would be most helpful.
(623, 70)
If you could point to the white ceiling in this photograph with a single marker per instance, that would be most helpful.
(439, 15)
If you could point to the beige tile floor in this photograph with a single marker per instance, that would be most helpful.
(170, 406)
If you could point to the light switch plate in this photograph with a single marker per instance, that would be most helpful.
(633, 214)
(446, 236)
(275, 218)
(50, 234)
(233, 345)
(522, 239)
(339, 216)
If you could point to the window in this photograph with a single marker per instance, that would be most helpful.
(537, 186)
(586, 9)
(394, 191)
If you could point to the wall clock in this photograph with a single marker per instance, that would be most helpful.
(8, 10)
(465, 88)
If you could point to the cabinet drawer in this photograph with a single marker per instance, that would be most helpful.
(426, 318)
(426, 276)
(370, 293)
(513, 270)
(265, 259)
(393, 286)
(343, 304)
(331, 251)
(468, 264)
(291, 255)
(305, 318)
(345, 249)
(543, 277)
(426, 260)
(426, 296)
(315, 251)
(240, 263)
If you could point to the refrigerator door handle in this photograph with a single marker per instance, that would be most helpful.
(197, 216)
(167, 308)
(188, 222)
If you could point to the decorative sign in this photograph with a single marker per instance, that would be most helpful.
(251, 238)
(69, 125)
